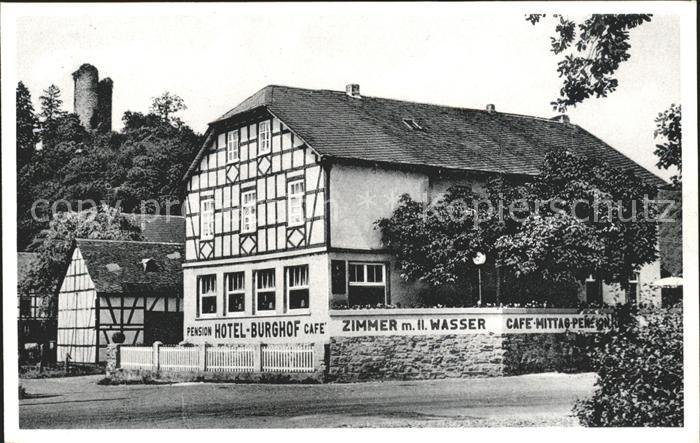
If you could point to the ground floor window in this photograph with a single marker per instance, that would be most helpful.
(594, 290)
(366, 284)
(25, 307)
(265, 293)
(633, 288)
(207, 294)
(235, 292)
(298, 287)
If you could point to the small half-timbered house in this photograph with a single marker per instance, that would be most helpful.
(283, 197)
(119, 286)
(36, 323)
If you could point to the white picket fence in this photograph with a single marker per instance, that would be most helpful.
(136, 357)
(176, 358)
(237, 358)
(287, 358)
(230, 359)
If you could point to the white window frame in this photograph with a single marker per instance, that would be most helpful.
(294, 284)
(258, 289)
(364, 270)
(232, 147)
(264, 137)
(249, 211)
(210, 294)
(232, 276)
(365, 283)
(207, 215)
(295, 201)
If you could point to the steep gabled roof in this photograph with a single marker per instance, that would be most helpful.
(160, 228)
(372, 129)
(116, 267)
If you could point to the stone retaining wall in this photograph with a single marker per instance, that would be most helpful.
(450, 356)
(533, 353)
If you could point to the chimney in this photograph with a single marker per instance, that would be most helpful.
(561, 118)
(490, 108)
(353, 90)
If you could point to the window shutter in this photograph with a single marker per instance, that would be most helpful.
(198, 292)
(387, 282)
(338, 275)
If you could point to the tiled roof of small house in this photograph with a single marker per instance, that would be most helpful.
(118, 267)
(160, 228)
(372, 129)
(25, 262)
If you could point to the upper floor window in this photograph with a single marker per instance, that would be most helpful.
(207, 218)
(207, 295)
(295, 202)
(235, 292)
(265, 289)
(264, 137)
(248, 214)
(232, 147)
(366, 284)
(298, 287)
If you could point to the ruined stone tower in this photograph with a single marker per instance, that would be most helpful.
(92, 99)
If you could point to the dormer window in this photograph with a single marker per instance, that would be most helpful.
(264, 137)
(412, 124)
(149, 265)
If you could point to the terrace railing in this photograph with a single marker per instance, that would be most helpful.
(279, 358)
(178, 358)
(230, 358)
(287, 358)
(136, 357)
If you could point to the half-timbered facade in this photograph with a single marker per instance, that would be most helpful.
(283, 196)
(119, 286)
(257, 189)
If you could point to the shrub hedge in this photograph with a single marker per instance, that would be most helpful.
(640, 372)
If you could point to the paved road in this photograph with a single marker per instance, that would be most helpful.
(529, 400)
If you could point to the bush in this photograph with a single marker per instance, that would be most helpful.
(640, 372)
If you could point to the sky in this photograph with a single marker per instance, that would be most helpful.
(451, 54)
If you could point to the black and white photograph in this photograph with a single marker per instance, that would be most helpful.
(469, 218)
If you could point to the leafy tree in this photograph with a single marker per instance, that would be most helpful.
(640, 373)
(668, 128)
(578, 217)
(434, 244)
(153, 157)
(166, 105)
(592, 52)
(55, 244)
(612, 204)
